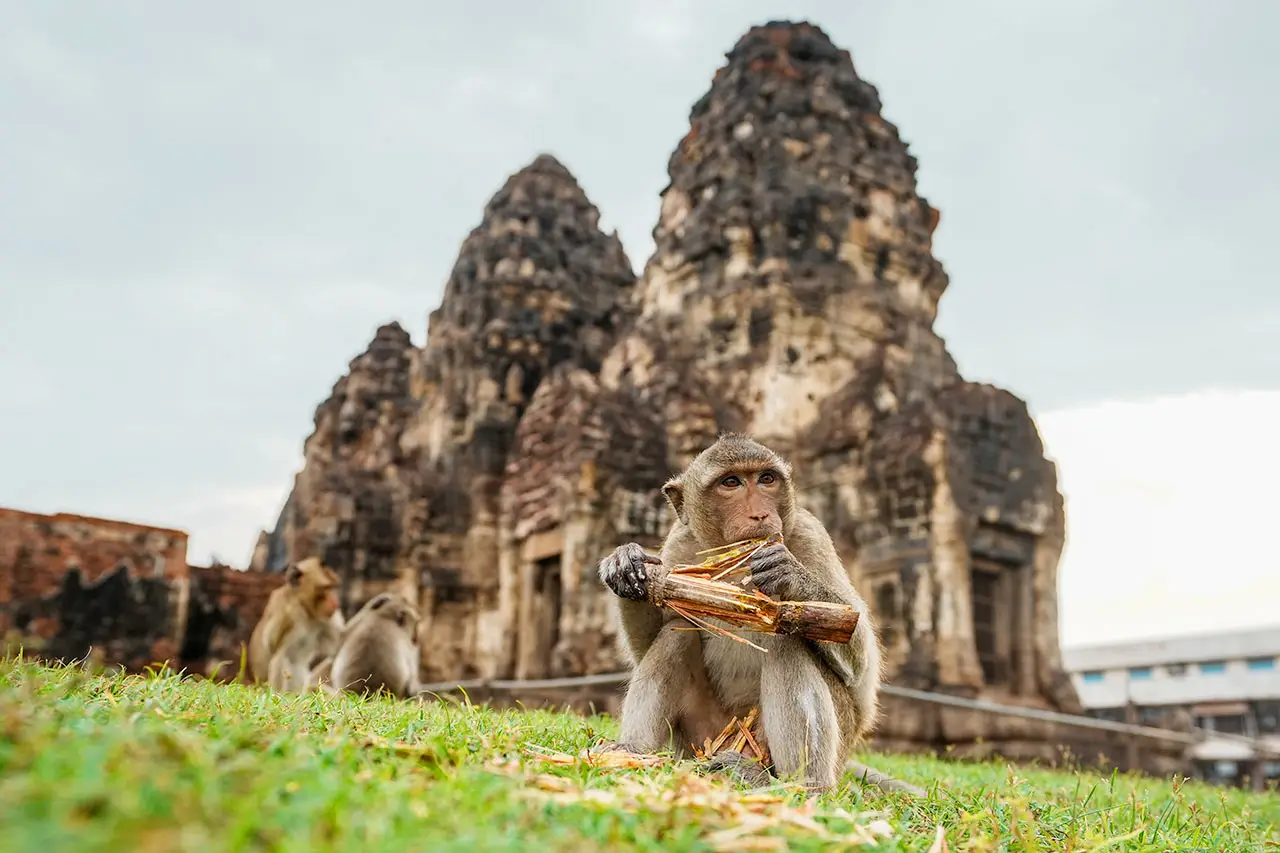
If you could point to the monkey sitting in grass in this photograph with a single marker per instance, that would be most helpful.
(816, 700)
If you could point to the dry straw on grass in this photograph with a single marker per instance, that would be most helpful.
(738, 736)
(714, 589)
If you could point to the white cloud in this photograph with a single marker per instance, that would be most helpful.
(1170, 506)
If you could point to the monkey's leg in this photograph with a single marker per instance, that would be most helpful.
(798, 715)
(277, 673)
(295, 677)
(670, 695)
(321, 673)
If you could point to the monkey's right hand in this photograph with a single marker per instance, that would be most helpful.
(626, 571)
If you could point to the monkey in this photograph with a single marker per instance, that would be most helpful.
(321, 673)
(816, 699)
(302, 622)
(379, 650)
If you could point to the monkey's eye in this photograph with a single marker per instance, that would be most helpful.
(731, 482)
(767, 478)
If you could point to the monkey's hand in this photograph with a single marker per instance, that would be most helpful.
(776, 572)
(626, 571)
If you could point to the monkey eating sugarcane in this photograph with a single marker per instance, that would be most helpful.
(816, 700)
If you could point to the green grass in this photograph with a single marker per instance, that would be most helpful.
(161, 763)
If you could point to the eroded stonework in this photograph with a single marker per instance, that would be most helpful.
(402, 484)
(791, 295)
(793, 282)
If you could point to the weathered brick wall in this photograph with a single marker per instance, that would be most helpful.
(42, 548)
(75, 586)
(224, 605)
(121, 593)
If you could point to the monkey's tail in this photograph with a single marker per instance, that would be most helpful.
(869, 775)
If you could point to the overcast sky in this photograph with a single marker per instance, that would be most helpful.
(207, 209)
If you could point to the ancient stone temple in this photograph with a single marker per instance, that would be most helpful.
(402, 483)
(791, 295)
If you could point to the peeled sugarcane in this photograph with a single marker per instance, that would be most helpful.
(715, 589)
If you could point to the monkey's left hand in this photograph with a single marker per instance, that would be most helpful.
(776, 572)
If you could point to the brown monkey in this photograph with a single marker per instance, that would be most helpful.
(816, 699)
(301, 623)
(379, 650)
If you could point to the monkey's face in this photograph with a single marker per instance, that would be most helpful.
(396, 610)
(750, 504)
(316, 585)
(318, 592)
(327, 604)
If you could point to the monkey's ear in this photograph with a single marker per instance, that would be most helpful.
(292, 574)
(674, 493)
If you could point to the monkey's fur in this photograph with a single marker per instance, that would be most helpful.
(816, 699)
(379, 650)
(302, 623)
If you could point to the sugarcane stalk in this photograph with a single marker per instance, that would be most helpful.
(714, 590)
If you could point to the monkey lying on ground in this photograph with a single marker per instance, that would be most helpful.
(379, 650)
(816, 699)
(301, 623)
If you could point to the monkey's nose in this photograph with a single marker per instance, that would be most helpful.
(758, 517)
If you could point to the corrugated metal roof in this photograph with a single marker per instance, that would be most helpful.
(1181, 648)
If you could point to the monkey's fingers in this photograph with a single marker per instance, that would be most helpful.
(748, 772)
(773, 557)
(625, 574)
(772, 581)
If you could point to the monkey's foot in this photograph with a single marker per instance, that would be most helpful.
(866, 776)
(746, 771)
(616, 746)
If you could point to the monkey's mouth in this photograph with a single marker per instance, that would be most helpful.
(754, 531)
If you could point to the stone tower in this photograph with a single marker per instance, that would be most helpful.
(347, 502)
(792, 295)
(401, 479)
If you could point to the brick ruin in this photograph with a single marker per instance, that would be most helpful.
(791, 295)
(74, 587)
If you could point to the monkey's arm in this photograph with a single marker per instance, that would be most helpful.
(807, 568)
(626, 572)
(639, 623)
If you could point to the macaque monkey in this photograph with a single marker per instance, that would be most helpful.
(379, 650)
(816, 699)
(302, 623)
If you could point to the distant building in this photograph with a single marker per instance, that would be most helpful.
(1229, 682)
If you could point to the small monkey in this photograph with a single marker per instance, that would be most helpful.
(301, 623)
(379, 650)
(816, 699)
